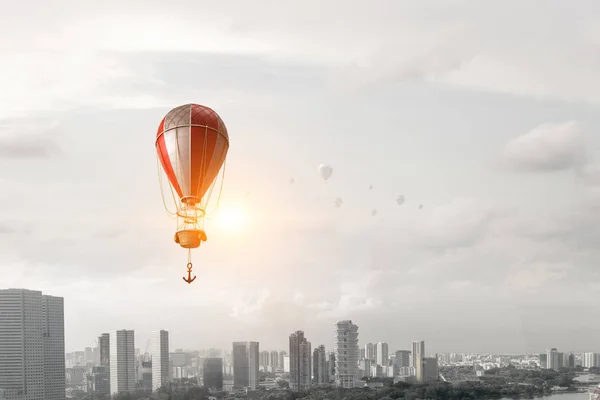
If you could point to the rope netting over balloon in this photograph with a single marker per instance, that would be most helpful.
(191, 215)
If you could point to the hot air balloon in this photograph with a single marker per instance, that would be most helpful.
(420, 206)
(400, 199)
(373, 212)
(191, 144)
(325, 170)
(338, 202)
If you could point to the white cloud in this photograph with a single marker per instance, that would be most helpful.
(547, 147)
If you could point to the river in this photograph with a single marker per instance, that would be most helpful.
(570, 396)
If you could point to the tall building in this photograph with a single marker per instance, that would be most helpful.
(32, 345)
(145, 374)
(264, 360)
(552, 359)
(104, 350)
(320, 373)
(402, 358)
(370, 351)
(274, 361)
(430, 369)
(98, 382)
(382, 354)
(331, 366)
(122, 362)
(418, 354)
(281, 357)
(590, 360)
(213, 374)
(160, 359)
(245, 364)
(300, 365)
(346, 353)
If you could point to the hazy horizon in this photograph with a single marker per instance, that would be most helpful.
(487, 114)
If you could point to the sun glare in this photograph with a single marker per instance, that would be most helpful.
(231, 219)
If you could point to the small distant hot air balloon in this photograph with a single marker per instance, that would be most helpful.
(292, 181)
(400, 199)
(373, 213)
(338, 202)
(325, 170)
(420, 206)
(370, 187)
(192, 144)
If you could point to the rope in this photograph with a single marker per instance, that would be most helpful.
(213, 212)
(162, 193)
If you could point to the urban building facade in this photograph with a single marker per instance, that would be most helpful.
(122, 362)
(32, 345)
(382, 354)
(402, 358)
(245, 364)
(346, 353)
(160, 359)
(212, 373)
(300, 362)
(418, 354)
(320, 373)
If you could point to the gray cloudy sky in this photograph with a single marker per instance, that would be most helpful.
(486, 112)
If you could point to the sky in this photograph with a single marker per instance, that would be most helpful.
(485, 112)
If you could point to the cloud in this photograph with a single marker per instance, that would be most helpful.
(547, 148)
(28, 147)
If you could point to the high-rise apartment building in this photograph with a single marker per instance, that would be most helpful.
(370, 351)
(346, 353)
(264, 360)
(160, 359)
(402, 358)
(274, 361)
(320, 373)
(122, 362)
(246, 364)
(418, 354)
(32, 345)
(331, 365)
(382, 354)
(300, 362)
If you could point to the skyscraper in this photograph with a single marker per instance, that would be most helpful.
(300, 365)
(553, 359)
(369, 351)
(213, 373)
(382, 354)
(331, 366)
(160, 359)
(418, 354)
(245, 364)
(32, 345)
(402, 358)
(430, 369)
(274, 361)
(346, 353)
(264, 360)
(320, 373)
(122, 361)
(104, 350)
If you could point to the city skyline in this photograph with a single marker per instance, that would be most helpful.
(485, 115)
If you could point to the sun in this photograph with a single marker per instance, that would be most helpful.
(231, 220)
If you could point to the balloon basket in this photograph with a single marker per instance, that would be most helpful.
(190, 238)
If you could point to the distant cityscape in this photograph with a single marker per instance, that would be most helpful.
(34, 365)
